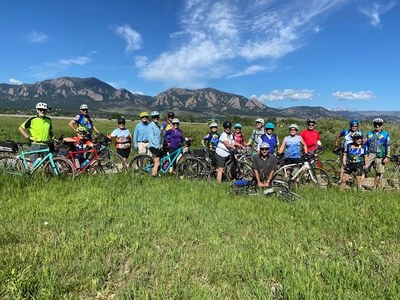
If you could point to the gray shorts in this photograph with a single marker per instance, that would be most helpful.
(220, 161)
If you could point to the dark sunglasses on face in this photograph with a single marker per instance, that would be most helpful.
(42, 110)
(84, 110)
(264, 149)
(175, 123)
(311, 124)
(377, 124)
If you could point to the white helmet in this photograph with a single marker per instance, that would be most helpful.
(155, 113)
(293, 126)
(41, 105)
(260, 120)
(264, 145)
(213, 124)
(84, 106)
(377, 121)
(175, 120)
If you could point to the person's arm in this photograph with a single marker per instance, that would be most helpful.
(283, 147)
(68, 140)
(304, 145)
(95, 129)
(24, 133)
(71, 125)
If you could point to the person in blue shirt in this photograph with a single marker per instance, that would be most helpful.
(83, 119)
(378, 142)
(269, 137)
(141, 134)
(154, 143)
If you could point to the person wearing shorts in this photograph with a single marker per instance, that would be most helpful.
(154, 144)
(123, 139)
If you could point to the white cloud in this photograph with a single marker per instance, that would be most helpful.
(287, 94)
(80, 61)
(217, 33)
(374, 9)
(137, 92)
(14, 81)
(361, 95)
(37, 37)
(132, 38)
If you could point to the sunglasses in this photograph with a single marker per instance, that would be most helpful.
(264, 149)
(354, 125)
(175, 123)
(42, 110)
(377, 124)
(311, 124)
(84, 110)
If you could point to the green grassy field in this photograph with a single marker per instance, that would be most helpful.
(126, 236)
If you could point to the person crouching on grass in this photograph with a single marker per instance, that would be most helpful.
(264, 165)
(355, 160)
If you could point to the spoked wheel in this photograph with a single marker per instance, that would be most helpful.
(333, 170)
(238, 170)
(283, 191)
(141, 163)
(191, 168)
(319, 179)
(63, 168)
(105, 166)
(11, 165)
(118, 160)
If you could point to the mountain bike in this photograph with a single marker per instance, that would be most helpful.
(50, 164)
(277, 187)
(304, 173)
(391, 176)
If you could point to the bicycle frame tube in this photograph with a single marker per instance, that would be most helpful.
(23, 155)
(71, 157)
(176, 154)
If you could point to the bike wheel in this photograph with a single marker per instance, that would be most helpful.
(317, 177)
(391, 177)
(63, 168)
(118, 160)
(191, 168)
(238, 170)
(11, 165)
(282, 190)
(141, 163)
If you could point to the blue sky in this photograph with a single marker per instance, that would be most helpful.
(339, 54)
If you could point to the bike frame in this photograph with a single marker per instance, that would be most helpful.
(177, 155)
(304, 167)
(48, 156)
(71, 156)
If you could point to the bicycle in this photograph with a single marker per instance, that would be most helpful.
(50, 164)
(187, 167)
(305, 174)
(391, 176)
(277, 187)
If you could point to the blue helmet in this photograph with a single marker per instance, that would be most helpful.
(354, 122)
(269, 126)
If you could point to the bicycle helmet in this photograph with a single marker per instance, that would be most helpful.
(260, 120)
(311, 121)
(377, 121)
(171, 115)
(121, 120)
(213, 124)
(238, 125)
(155, 113)
(293, 126)
(264, 145)
(227, 124)
(354, 122)
(84, 106)
(41, 105)
(269, 126)
(82, 130)
(144, 114)
(357, 135)
(175, 121)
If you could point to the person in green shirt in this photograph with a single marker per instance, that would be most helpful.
(38, 129)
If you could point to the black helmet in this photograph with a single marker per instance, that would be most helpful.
(121, 120)
(171, 115)
(357, 135)
(227, 124)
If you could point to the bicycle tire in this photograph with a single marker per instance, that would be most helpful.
(64, 166)
(391, 177)
(238, 170)
(114, 157)
(11, 165)
(191, 168)
(332, 168)
(138, 162)
(322, 179)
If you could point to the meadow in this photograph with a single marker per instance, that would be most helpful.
(128, 236)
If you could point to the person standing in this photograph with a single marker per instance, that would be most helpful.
(291, 146)
(38, 130)
(174, 138)
(83, 119)
(168, 124)
(269, 137)
(378, 142)
(238, 135)
(257, 132)
(210, 141)
(264, 165)
(123, 139)
(154, 144)
(141, 134)
(311, 137)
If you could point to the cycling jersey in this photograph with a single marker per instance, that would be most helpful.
(255, 135)
(122, 138)
(272, 141)
(356, 153)
(211, 139)
(40, 129)
(85, 121)
(310, 137)
(379, 143)
(292, 146)
(346, 134)
(81, 144)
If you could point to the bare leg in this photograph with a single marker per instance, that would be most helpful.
(156, 165)
(219, 174)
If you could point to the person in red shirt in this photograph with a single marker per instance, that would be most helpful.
(311, 137)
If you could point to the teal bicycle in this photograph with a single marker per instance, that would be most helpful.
(48, 163)
(187, 167)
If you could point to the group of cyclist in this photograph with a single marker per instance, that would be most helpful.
(357, 151)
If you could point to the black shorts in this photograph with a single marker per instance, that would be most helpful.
(220, 161)
(155, 151)
(356, 168)
(124, 152)
(293, 160)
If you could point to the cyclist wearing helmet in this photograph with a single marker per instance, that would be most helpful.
(378, 142)
(311, 136)
(270, 138)
(355, 160)
(38, 130)
(80, 142)
(291, 146)
(210, 141)
(83, 119)
(264, 165)
(257, 132)
(168, 124)
(141, 134)
(154, 144)
(238, 135)
(225, 145)
(174, 137)
(346, 134)
(123, 139)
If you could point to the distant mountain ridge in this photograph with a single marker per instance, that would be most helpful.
(67, 93)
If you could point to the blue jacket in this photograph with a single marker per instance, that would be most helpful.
(154, 135)
(141, 133)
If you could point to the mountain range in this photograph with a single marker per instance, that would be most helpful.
(66, 94)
